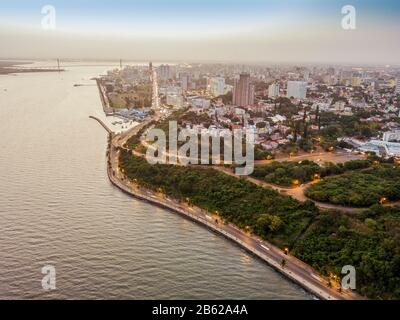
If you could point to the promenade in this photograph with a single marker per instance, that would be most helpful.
(292, 268)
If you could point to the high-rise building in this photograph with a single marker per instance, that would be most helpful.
(296, 89)
(273, 90)
(397, 90)
(184, 79)
(164, 72)
(217, 86)
(243, 91)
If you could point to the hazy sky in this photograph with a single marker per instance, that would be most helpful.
(200, 30)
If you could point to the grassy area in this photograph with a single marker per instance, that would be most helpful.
(294, 173)
(287, 173)
(364, 188)
(329, 240)
(139, 97)
(369, 241)
(134, 142)
(273, 216)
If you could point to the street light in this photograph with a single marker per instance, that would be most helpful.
(296, 182)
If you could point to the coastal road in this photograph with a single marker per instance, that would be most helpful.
(293, 268)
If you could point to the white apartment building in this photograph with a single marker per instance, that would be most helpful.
(273, 90)
(296, 89)
(391, 136)
(217, 86)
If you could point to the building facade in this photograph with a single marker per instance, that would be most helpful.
(164, 72)
(296, 89)
(243, 91)
(273, 90)
(217, 86)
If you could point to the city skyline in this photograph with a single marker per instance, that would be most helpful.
(240, 31)
(200, 154)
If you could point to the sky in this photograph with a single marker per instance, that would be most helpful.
(270, 31)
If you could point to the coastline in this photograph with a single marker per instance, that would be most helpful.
(14, 67)
(296, 271)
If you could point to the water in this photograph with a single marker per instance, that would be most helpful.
(58, 208)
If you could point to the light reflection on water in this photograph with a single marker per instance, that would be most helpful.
(57, 207)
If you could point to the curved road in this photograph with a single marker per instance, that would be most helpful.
(294, 269)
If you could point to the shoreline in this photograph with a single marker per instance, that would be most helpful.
(296, 270)
(211, 226)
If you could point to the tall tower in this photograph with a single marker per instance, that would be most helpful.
(243, 91)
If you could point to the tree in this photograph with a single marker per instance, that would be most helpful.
(269, 223)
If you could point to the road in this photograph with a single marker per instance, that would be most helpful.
(294, 269)
(295, 192)
(155, 95)
(319, 157)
